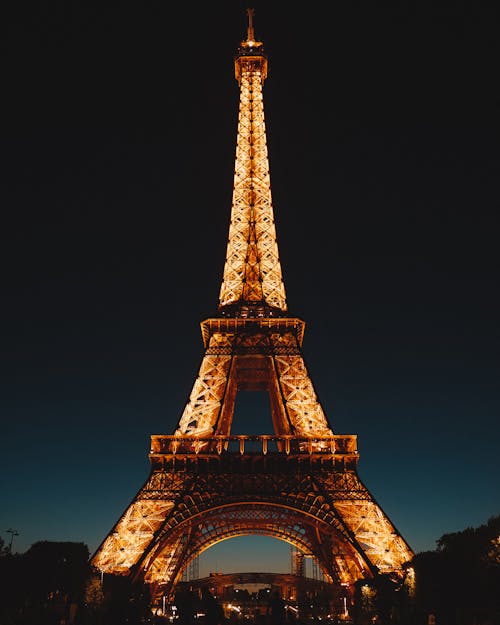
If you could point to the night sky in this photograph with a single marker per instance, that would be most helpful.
(118, 136)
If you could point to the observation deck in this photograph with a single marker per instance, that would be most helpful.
(336, 452)
(241, 325)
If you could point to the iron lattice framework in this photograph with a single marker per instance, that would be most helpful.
(300, 485)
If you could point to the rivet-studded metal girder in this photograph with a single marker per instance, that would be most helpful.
(301, 484)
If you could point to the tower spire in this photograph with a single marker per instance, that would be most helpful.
(250, 33)
(252, 284)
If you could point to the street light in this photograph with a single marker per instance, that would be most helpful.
(12, 534)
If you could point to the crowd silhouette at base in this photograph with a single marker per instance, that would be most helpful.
(187, 604)
(276, 609)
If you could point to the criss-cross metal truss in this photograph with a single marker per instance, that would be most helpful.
(252, 272)
(301, 484)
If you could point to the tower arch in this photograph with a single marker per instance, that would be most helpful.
(338, 558)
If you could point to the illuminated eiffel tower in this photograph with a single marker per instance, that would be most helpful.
(300, 484)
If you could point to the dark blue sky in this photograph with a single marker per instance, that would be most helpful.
(117, 153)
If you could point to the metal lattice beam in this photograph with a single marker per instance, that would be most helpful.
(252, 271)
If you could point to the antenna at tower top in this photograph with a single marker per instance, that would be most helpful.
(250, 48)
(250, 33)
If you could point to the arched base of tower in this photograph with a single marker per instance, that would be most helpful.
(199, 496)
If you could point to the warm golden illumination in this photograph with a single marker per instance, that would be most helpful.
(300, 484)
(252, 271)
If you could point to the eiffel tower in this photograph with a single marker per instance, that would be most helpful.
(301, 484)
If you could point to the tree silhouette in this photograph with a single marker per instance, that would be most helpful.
(459, 581)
